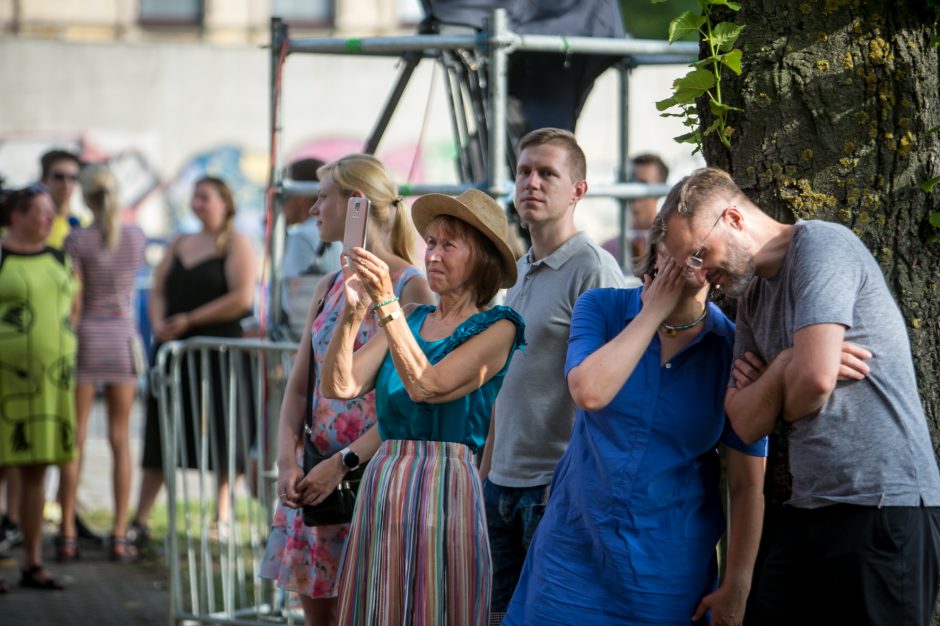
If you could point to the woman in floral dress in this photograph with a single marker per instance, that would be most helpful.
(300, 558)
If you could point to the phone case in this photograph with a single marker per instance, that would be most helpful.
(357, 219)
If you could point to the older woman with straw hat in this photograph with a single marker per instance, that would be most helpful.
(417, 551)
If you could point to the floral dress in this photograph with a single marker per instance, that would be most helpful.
(306, 559)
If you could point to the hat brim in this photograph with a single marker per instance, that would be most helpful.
(426, 208)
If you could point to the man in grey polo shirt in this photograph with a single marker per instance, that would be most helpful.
(534, 412)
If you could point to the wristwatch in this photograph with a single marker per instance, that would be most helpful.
(350, 459)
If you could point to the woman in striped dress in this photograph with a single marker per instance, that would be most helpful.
(106, 257)
(417, 551)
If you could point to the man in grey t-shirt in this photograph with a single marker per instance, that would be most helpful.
(534, 412)
(858, 541)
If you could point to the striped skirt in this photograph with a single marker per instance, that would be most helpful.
(417, 553)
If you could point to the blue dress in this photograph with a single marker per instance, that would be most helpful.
(629, 533)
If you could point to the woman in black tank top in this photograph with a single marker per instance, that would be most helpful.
(203, 287)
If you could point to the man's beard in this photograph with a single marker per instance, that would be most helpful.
(739, 269)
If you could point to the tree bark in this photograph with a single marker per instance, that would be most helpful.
(839, 97)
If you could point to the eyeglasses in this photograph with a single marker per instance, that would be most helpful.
(62, 176)
(695, 262)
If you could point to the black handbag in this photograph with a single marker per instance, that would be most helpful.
(336, 508)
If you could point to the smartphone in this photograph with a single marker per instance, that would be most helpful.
(357, 219)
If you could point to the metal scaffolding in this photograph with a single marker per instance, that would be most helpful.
(494, 46)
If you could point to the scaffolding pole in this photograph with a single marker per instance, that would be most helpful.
(497, 44)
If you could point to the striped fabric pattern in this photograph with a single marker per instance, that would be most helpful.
(417, 553)
(106, 326)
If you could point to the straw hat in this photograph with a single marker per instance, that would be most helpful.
(477, 209)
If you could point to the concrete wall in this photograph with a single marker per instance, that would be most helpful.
(179, 104)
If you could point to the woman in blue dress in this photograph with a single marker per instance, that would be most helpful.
(417, 551)
(630, 529)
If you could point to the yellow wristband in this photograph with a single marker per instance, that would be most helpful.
(394, 315)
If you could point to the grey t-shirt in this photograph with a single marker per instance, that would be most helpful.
(534, 411)
(869, 444)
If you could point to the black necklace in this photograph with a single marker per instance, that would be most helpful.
(672, 330)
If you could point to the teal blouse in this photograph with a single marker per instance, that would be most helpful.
(465, 420)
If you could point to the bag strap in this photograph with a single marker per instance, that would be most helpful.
(308, 410)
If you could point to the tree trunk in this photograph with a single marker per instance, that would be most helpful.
(839, 97)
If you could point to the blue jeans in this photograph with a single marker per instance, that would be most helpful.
(512, 514)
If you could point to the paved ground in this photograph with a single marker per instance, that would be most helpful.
(99, 592)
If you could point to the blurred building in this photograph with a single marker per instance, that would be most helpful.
(225, 22)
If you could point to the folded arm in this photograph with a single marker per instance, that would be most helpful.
(796, 384)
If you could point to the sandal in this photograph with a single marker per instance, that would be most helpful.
(138, 535)
(66, 549)
(122, 550)
(37, 578)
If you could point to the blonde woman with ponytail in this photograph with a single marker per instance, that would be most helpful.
(306, 559)
(106, 257)
(204, 286)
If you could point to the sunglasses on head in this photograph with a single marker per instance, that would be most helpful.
(62, 176)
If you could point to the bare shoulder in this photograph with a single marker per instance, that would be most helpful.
(241, 248)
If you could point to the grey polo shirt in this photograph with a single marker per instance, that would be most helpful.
(534, 411)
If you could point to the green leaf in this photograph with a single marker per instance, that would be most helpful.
(692, 137)
(668, 103)
(734, 6)
(933, 130)
(688, 88)
(935, 41)
(725, 34)
(685, 24)
(657, 1)
(718, 108)
(935, 219)
(715, 125)
(929, 185)
(732, 60)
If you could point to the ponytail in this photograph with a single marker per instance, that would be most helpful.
(402, 236)
(99, 188)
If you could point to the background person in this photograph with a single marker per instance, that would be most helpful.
(203, 286)
(106, 257)
(417, 550)
(646, 168)
(301, 558)
(635, 512)
(60, 169)
(307, 257)
(37, 362)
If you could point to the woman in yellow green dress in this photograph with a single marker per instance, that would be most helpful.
(37, 362)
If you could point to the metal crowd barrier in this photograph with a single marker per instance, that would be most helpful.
(214, 567)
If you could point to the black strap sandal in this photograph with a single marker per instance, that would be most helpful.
(37, 578)
(122, 550)
(66, 549)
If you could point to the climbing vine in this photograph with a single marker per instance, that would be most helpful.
(704, 79)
